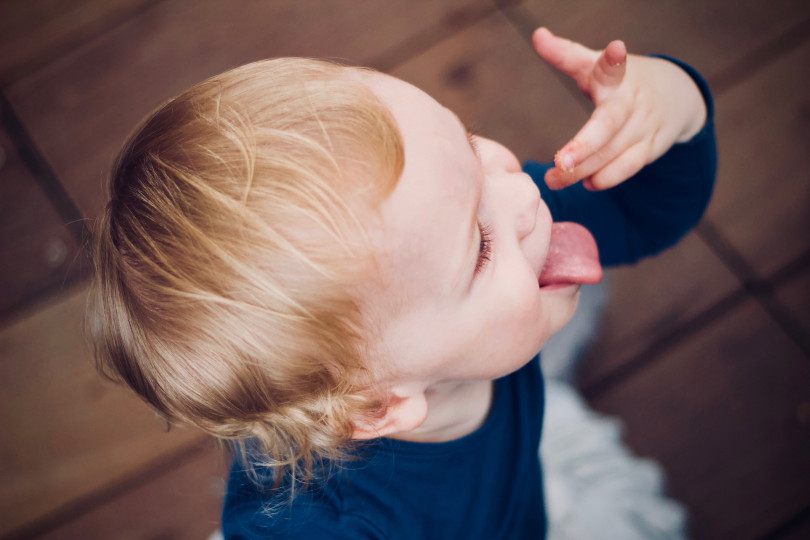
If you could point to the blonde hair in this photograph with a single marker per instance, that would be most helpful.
(230, 253)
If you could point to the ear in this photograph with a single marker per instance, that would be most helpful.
(407, 410)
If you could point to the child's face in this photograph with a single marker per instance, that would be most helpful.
(451, 322)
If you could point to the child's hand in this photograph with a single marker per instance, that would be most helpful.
(643, 106)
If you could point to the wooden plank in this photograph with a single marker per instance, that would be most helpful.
(763, 193)
(724, 412)
(492, 79)
(794, 295)
(34, 32)
(650, 300)
(711, 35)
(66, 433)
(39, 253)
(80, 108)
(183, 504)
(795, 530)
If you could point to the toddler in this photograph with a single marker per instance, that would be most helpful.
(322, 265)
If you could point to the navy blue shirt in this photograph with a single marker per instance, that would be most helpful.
(484, 485)
(487, 484)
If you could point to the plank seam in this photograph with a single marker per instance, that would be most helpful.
(758, 290)
(42, 172)
(637, 362)
(790, 525)
(752, 63)
(763, 290)
(430, 37)
(72, 42)
(84, 504)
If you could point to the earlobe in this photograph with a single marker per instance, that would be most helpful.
(404, 413)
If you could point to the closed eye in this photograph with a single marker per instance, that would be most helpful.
(484, 248)
(472, 137)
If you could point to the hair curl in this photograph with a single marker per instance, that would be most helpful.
(230, 252)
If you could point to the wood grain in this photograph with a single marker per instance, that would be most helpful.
(794, 295)
(39, 253)
(35, 32)
(724, 412)
(762, 201)
(709, 35)
(725, 409)
(66, 432)
(651, 300)
(492, 79)
(183, 504)
(80, 108)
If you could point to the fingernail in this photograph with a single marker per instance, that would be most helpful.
(567, 162)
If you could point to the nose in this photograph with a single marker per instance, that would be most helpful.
(519, 197)
(527, 199)
(518, 200)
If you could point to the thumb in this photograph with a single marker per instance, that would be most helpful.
(610, 68)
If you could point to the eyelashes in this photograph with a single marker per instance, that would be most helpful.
(473, 142)
(485, 231)
(472, 137)
(485, 248)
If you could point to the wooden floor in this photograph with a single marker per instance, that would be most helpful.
(704, 351)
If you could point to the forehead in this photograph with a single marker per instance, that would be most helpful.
(435, 143)
(427, 219)
(417, 114)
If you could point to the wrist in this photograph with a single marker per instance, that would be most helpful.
(693, 104)
(695, 113)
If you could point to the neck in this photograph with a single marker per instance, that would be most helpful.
(455, 409)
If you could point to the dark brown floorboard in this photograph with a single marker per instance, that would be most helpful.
(703, 351)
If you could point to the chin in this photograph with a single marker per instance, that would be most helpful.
(565, 309)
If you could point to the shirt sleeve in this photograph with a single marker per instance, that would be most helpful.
(652, 210)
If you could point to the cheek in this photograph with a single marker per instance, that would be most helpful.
(523, 309)
(530, 317)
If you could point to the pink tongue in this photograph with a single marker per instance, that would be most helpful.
(572, 256)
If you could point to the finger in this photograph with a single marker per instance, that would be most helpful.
(592, 160)
(558, 179)
(624, 138)
(602, 127)
(621, 168)
(573, 59)
(610, 68)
